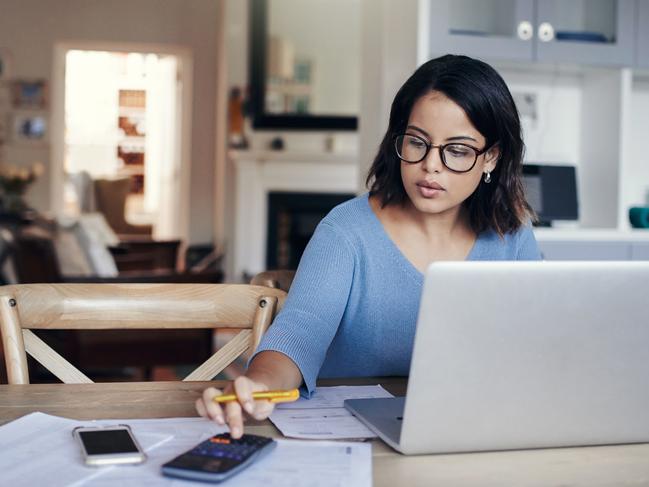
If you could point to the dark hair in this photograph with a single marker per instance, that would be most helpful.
(480, 91)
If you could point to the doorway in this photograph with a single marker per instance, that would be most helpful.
(123, 115)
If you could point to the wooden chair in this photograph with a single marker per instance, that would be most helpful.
(110, 198)
(279, 279)
(24, 307)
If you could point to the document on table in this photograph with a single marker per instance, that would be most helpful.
(324, 415)
(38, 449)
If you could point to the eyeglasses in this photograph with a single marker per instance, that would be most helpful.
(456, 157)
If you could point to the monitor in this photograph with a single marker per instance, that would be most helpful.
(551, 190)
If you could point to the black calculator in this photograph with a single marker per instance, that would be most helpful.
(218, 457)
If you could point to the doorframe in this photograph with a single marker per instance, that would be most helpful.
(57, 121)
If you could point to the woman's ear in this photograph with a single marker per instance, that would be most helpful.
(491, 158)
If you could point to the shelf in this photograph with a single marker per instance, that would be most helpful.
(590, 235)
(132, 112)
(290, 90)
(293, 156)
(131, 170)
(132, 139)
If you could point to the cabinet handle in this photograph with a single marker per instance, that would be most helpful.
(546, 32)
(525, 30)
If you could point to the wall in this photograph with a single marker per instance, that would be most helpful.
(553, 135)
(309, 142)
(638, 158)
(29, 29)
(389, 43)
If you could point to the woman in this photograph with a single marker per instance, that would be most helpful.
(445, 185)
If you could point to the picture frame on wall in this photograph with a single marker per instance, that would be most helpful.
(29, 127)
(29, 94)
(5, 64)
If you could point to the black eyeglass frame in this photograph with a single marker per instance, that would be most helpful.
(441, 148)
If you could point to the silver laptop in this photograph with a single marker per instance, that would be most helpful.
(513, 355)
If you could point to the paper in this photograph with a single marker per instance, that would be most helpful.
(38, 449)
(324, 415)
(293, 463)
(185, 432)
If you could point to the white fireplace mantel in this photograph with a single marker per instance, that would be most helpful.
(258, 173)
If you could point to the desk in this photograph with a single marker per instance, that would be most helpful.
(626, 465)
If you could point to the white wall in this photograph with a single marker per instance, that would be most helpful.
(638, 150)
(29, 29)
(554, 134)
(237, 56)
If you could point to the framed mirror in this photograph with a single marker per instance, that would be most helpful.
(305, 64)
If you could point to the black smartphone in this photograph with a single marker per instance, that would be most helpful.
(108, 445)
(218, 458)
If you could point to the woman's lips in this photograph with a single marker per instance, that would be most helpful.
(430, 189)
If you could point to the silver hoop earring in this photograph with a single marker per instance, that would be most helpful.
(487, 177)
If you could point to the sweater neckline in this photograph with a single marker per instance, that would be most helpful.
(396, 251)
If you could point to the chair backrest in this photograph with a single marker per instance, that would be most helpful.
(110, 199)
(279, 279)
(137, 306)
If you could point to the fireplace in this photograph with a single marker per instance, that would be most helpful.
(292, 219)
(309, 176)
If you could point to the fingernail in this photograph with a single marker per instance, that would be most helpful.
(234, 432)
(248, 407)
(219, 419)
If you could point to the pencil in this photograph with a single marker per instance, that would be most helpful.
(273, 396)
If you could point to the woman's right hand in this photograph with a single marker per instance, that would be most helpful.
(232, 412)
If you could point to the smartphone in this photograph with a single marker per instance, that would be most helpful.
(110, 445)
(218, 458)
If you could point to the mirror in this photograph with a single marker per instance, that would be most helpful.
(305, 64)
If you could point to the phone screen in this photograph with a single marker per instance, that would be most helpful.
(104, 442)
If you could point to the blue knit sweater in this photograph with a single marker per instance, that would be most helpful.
(352, 307)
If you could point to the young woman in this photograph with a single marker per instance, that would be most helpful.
(445, 185)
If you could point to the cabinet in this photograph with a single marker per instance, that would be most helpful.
(591, 104)
(642, 35)
(596, 32)
(593, 244)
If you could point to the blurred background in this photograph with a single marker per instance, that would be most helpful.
(203, 140)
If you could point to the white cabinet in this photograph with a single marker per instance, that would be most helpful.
(592, 101)
(595, 32)
(593, 245)
(494, 29)
(642, 35)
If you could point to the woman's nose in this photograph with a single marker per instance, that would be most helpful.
(433, 161)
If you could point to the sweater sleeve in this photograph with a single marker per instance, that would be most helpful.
(307, 324)
(528, 248)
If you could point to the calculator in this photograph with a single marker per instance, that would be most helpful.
(218, 457)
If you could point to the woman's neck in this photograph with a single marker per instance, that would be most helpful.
(436, 226)
(422, 237)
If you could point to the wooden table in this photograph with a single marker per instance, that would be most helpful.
(626, 465)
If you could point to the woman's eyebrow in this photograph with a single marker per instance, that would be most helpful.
(421, 131)
(456, 137)
(462, 137)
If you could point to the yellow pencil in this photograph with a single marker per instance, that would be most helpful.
(272, 396)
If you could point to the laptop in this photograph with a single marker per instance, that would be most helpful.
(513, 355)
